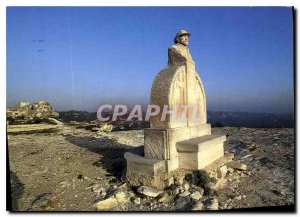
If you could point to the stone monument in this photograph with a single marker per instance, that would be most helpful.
(171, 142)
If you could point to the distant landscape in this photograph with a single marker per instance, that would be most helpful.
(216, 119)
(251, 120)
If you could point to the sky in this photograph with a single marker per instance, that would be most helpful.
(82, 57)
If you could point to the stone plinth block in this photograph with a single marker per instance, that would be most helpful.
(142, 165)
(149, 172)
(199, 152)
(161, 143)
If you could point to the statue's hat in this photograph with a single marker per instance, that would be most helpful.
(181, 33)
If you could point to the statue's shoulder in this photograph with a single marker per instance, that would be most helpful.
(175, 47)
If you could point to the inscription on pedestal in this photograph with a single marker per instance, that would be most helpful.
(155, 144)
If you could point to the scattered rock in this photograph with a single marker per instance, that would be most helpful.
(131, 194)
(237, 165)
(211, 185)
(196, 195)
(198, 206)
(106, 204)
(253, 147)
(121, 196)
(221, 183)
(151, 192)
(124, 185)
(137, 201)
(201, 190)
(248, 155)
(230, 170)
(179, 180)
(99, 191)
(227, 158)
(106, 127)
(182, 203)
(184, 194)
(164, 197)
(238, 197)
(169, 181)
(222, 171)
(247, 173)
(214, 179)
(186, 186)
(212, 204)
(177, 191)
(229, 207)
(199, 178)
(65, 184)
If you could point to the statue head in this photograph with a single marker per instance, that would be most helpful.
(182, 37)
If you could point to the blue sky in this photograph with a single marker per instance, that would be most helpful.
(81, 57)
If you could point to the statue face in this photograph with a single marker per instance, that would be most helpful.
(184, 40)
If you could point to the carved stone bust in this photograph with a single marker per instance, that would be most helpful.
(179, 53)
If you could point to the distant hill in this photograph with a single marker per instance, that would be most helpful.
(254, 120)
(79, 116)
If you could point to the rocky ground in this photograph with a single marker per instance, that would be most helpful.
(73, 169)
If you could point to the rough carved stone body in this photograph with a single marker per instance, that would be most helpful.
(179, 54)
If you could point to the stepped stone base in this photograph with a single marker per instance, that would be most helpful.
(197, 153)
(193, 154)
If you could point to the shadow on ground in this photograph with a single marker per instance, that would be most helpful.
(17, 189)
(111, 152)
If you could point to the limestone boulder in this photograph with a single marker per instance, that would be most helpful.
(151, 192)
(113, 200)
(196, 195)
(237, 165)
